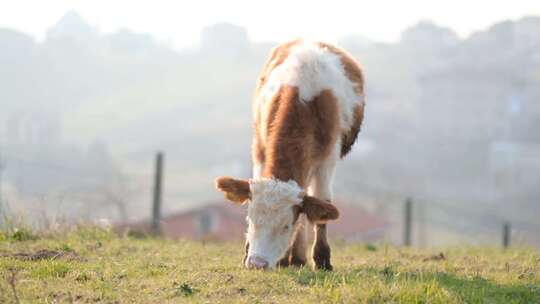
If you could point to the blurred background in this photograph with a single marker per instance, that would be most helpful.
(90, 91)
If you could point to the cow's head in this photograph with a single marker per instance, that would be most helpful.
(273, 210)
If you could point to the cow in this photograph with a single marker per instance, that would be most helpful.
(307, 109)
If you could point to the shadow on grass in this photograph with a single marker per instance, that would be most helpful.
(467, 289)
(478, 289)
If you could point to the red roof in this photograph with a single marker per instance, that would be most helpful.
(356, 224)
(226, 221)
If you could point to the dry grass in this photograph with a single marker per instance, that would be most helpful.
(91, 265)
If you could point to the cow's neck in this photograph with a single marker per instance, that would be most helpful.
(286, 174)
(287, 143)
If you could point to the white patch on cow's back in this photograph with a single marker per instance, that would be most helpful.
(269, 211)
(312, 69)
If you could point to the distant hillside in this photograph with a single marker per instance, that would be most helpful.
(437, 109)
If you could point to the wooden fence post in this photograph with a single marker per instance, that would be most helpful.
(506, 235)
(1, 171)
(156, 206)
(3, 214)
(407, 237)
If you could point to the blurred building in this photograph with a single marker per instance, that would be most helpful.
(223, 221)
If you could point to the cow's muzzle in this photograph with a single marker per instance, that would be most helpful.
(255, 262)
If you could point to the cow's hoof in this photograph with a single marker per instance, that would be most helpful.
(298, 262)
(326, 266)
(323, 263)
(321, 257)
(284, 262)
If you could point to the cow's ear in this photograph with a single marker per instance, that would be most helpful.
(236, 190)
(319, 211)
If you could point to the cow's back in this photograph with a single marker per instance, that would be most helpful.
(314, 67)
(309, 97)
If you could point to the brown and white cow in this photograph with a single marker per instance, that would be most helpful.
(308, 108)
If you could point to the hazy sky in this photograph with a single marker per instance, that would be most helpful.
(180, 22)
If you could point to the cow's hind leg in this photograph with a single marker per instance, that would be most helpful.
(321, 187)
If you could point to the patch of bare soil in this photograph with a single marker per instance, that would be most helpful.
(45, 254)
(436, 257)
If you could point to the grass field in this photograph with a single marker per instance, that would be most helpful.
(90, 265)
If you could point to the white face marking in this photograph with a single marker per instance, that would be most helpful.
(271, 218)
(312, 69)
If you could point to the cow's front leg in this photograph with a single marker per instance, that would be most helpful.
(321, 249)
(296, 254)
(321, 187)
(298, 250)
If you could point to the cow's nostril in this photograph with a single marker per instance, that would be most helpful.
(257, 262)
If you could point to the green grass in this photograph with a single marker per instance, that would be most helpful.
(92, 265)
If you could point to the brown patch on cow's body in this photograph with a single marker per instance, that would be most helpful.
(299, 134)
(285, 157)
(325, 111)
(349, 138)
